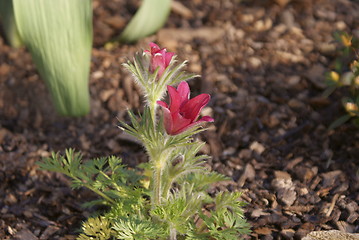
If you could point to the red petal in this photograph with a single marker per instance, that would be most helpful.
(154, 47)
(175, 99)
(167, 119)
(168, 58)
(204, 119)
(162, 104)
(183, 92)
(192, 108)
(158, 61)
(179, 123)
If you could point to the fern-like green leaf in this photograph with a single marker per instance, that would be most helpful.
(182, 204)
(133, 228)
(97, 228)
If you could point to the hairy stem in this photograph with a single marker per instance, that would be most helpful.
(159, 159)
(166, 187)
(157, 185)
(153, 107)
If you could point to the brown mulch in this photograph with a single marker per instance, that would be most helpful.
(263, 62)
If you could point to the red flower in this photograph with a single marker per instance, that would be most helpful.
(182, 113)
(160, 58)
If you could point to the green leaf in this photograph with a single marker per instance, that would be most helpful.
(151, 16)
(59, 37)
(202, 180)
(9, 24)
(340, 121)
(226, 222)
(181, 205)
(97, 228)
(132, 228)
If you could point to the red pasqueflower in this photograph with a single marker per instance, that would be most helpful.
(182, 113)
(160, 58)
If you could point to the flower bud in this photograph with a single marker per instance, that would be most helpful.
(334, 76)
(350, 107)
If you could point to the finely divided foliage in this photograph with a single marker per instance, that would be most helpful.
(165, 198)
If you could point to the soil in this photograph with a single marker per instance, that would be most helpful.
(264, 64)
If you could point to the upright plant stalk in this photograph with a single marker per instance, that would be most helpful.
(59, 37)
(157, 181)
(151, 16)
(8, 22)
(158, 157)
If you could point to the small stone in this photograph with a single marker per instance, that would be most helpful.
(329, 178)
(85, 143)
(27, 214)
(195, 67)
(255, 62)
(229, 151)
(249, 173)
(285, 190)
(273, 120)
(106, 94)
(282, 175)
(245, 153)
(257, 147)
(340, 25)
(303, 191)
(316, 76)
(263, 231)
(25, 234)
(4, 69)
(97, 74)
(282, 3)
(259, 212)
(287, 233)
(116, 21)
(287, 196)
(326, 48)
(10, 230)
(288, 18)
(207, 111)
(296, 104)
(331, 235)
(293, 80)
(181, 9)
(10, 199)
(50, 230)
(263, 25)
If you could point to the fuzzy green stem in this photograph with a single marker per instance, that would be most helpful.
(158, 159)
(152, 102)
(166, 187)
(157, 186)
(153, 107)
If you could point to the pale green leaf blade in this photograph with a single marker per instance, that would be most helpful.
(8, 23)
(151, 16)
(59, 37)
